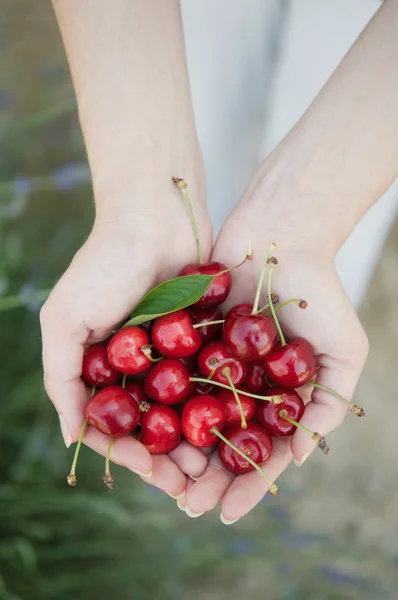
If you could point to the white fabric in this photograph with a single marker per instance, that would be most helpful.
(255, 66)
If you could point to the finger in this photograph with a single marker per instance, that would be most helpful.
(125, 451)
(167, 476)
(63, 346)
(247, 490)
(189, 459)
(205, 494)
(325, 412)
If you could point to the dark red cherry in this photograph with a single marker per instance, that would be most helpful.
(125, 351)
(208, 333)
(113, 411)
(160, 429)
(256, 379)
(218, 289)
(191, 362)
(231, 407)
(96, 369)
(216, 355)
(249, 337)
(292, 365)
(200, 387)
(199, 415)
(136, 390)
(167, 382)
(268, 413)
(174, 336)
(254, 441)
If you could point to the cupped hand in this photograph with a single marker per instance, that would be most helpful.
(306, 270)
(124, 257)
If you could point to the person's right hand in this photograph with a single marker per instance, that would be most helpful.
(125, 256)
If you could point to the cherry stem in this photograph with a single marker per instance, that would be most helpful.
(357, 410)
(182, 184)
(261, 280)
(272, 262)
(72, 479)
(124, 380)
(147, 351)
(197, 325)
(298, 301)
(317, 438)
(248, 256)
(211, 374)
(273, 488)
(227, 373)
(108, 477)
(275, 399)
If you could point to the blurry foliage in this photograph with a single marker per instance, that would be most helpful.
(89, 543)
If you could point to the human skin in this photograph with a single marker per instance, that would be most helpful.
(136, 114)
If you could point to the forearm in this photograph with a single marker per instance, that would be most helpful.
(129, 70)
(342, 154)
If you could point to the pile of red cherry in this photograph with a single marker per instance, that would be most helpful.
(193, 373)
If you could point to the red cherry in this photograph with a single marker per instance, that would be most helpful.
(216, 355)
(232, 412)
(96, 369)
(247, 336)
(292, 365)
(208, 333)
(174, 336)
(191, 362)
(218, 289)
(268, 413)
(255, 379)
(160, 429)
(113, 411)
(125, 351)
(136, 390)
(201, 388)
(254, 441)
(167, 382)
(199, 415)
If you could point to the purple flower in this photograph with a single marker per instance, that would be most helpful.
(69, 176)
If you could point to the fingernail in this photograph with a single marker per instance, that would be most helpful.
(177, 497)
(180, 506)
(191, 513)
(141, 474)
(225, 521)
(65, 431)
(298, 463)
(194, 478)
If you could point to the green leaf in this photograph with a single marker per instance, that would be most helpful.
(170, 296)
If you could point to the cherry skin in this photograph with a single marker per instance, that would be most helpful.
(160, 429)
(216, 355)
(96, 369)
(125, 351)
(232, 412)
(136, 390)
(191, 363)
(218, 289)
(199, 415)
(254, 441)
(268, 416)
(256, 379)
(167, 382)
(200, 387)
(292, 365)
(174, 336)
(249, 337)
(208, 333)
(113, 411)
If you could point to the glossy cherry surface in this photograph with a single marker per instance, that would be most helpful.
(208, 333)
(293, 365)
(216, 355)
(174, 336)
(96, 368)
(218, 289)
(136, 390)
(232, 412)
(199, 415)
(256, 379)
(160, 429)
(254, 441)
(167, 382)
(125, 351)
(113, 411)
(268, 416)
(249, 337)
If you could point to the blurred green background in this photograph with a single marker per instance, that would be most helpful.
(332, 534)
